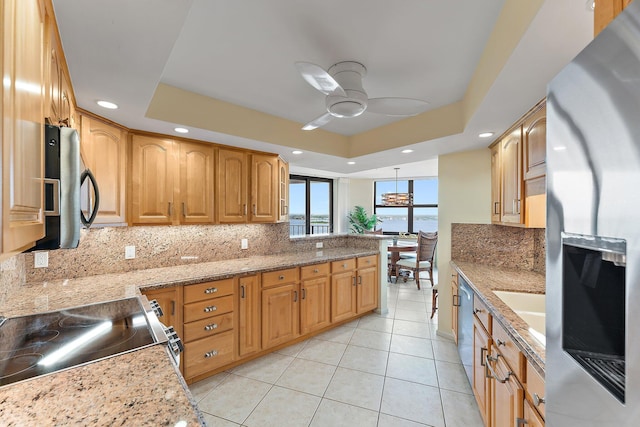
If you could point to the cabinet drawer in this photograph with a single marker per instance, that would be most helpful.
(344, 265)
(481, 312)
(279, 277)
(535, 387)
(203, 291)
(207, 354)
(511, 353)
(207, 327)
(367, 261)
(316, 270)
(209, 308)
(531, 416)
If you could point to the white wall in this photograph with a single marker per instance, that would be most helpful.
(464, 196)
(349, 192)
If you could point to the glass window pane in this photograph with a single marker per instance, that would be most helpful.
(425, 219)
(320, 214)
(425, 192)
(390, 187)
(393, 219)
(297, 207)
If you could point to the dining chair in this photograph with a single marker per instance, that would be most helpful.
(424, 257)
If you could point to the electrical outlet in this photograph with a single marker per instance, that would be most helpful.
(41, 259)
(244, 244)
(129, 252)
(319, 245)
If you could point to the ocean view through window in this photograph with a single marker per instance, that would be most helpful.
(422, 215)
(311, 202)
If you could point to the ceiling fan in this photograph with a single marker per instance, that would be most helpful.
(346, 97)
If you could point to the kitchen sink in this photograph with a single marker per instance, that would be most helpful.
(530, 308)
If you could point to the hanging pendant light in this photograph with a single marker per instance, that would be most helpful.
(397, 199)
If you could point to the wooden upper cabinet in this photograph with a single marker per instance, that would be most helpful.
(605, 11)
(232, 186)
(103, 149)
(152, 180)
(60, 101)
(23, 95)
(265, 188)
(496, 183)
(511, 154)
(196, 183)
(283, 191)
(534, 150)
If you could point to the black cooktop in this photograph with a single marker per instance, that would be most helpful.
(43, 343)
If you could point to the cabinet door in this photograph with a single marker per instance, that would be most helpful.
(367, 289)
(506, 396)
(534, 150)
(152, 172)
(170, 303)
(481, 385)
(605, 11)
(315, 307)
(196, 183)
(23, 95)
(496, 183)
(283, 191)
(103, 150)
(512, 177)
(343, 296)
(531, 416)
(454, 308)
(249, 315)
(55, 68)
(264, 188)
(280, 315)
(232, 186)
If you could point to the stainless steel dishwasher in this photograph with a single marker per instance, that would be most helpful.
(465, 326)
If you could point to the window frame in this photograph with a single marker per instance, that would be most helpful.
(307, 215)
(409, 207)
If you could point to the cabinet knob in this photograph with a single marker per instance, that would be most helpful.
(210, 308)
(476, 311)
(211, 290)
(537, 400)
(211, 327)
(500, 343)
(281, 277)
(212, 353)
(315, 270)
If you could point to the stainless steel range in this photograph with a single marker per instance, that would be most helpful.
(593, 235)
(40, 344)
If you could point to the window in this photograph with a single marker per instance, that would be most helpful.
(311, 206)
(422, 215)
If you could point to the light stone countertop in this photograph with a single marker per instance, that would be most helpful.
(484, 279)
(138, 388)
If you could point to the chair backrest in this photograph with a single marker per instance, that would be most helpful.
(373, 231)
(427, 246)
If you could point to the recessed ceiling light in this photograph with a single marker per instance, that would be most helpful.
(485, 134)
(351, 163)
(407, 151)
(296, 152)
(181, 130)
(107, 104)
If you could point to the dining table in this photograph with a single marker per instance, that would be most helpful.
(395, 247)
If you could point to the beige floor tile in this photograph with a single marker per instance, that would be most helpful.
(413, 316)
(365, 359)
(373, 322)
(445, 350)
(337, 414)
(411, 368)
(371, 339)
(413, 346)
(234, 398)
(451, 376)
(341, 334)
(307, 376)
(203, 387)
(292, 350)
(217, 422)
(323, 351)
(412, 329)
(460, 410)
(415, 402)
(348, 385)
(282, 406)
(266, 368)
(390, 421)
(411, 296)
(412, 305)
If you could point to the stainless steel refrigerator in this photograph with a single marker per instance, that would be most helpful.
(593, 232)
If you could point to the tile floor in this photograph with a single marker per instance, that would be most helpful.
(390, 370)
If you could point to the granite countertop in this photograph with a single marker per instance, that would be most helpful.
(485, 279)
(137, 388)
(142, 385)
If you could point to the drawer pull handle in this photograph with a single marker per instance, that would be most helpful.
(493, 374)
(344, 265)
(211, 327)
(212, 353)
(315, 270)
(211, 290)
(537, 400)
(500, 343)
(456, 303)
(281, 277)
(210, 309)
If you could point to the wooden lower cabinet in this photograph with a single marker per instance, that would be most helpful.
(249, 317)
(280, 314)
(207, 354)
(343, 296)
(507, 395)
(315, 307)
(531, 417)
(454, 307)
(481, 384)
(367, 284)
(170, 301)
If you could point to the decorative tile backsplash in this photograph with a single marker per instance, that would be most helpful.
(498, 245)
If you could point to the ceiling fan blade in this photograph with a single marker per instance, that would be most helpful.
(318, 122)
(398, 107)
(317, 77)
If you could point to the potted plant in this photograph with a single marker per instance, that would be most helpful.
(360, 221)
